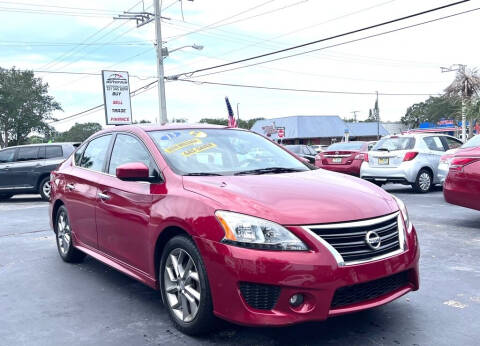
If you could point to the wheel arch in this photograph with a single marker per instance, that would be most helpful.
(58, 203)
(40, 178)
(164, 236)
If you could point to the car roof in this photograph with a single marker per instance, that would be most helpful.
(417, 135)
(43, 144)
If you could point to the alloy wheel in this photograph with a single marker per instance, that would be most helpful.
(46, 188)
(63, 232)
(424, 181)
(182, 285)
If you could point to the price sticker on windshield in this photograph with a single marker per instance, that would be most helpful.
(199, 149)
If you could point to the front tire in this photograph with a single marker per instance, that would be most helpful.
(63, 230)
(423, 183)
(184, 287)
(45, 188)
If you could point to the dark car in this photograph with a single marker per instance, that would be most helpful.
(190, 211)
(305, 151)
(26, 169)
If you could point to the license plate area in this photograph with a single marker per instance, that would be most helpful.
(383, 161)
(337, 160)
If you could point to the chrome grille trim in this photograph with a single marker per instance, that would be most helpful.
(399, 245)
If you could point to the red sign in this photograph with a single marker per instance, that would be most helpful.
(281, 132)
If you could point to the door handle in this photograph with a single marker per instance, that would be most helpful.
(70, 187)
(103, 196)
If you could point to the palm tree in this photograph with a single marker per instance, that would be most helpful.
(466, 86)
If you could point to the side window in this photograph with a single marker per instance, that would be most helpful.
(78, 154)
(453, 143)
(28, 153)
(94, 156)
(53, 151)
(7, 155)
(128, 149)
(434, 143)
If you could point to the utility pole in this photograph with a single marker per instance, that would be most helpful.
(162, 102)
(460, 69)
(355, 115)
(238, 112)
(377, 115)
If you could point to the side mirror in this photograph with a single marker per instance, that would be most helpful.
(135, 171)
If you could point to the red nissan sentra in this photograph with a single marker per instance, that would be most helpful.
(462, 186)
(225, 223)
(343, 157)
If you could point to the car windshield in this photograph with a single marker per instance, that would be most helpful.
(223, 152)
(395, 143)
(473, 142)
(346, 146)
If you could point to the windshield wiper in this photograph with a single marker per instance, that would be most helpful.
(201, 173)
(270, 170)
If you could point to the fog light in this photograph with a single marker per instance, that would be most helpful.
(296, 300)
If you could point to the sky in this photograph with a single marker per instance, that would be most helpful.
(74, 37)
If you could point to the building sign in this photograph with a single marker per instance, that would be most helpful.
(116, 97)
(281, 132)
(269, 129)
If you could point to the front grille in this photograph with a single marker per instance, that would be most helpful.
(349, 295)
(259, 296)
(350, 239)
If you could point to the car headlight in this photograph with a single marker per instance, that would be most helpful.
(404, 212)
(252, 232)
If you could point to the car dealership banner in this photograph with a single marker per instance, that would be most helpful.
(116, 96)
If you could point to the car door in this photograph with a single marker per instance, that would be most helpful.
(435, 150)
(7, 158)
(123, 210)
(81, 188)
(23, 171)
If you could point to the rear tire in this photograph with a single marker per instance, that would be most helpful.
(45, 189)
(184, 287)
(63, 232)
(423, 182)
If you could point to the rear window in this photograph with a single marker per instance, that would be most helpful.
(395, 143)
(473, 142)
(346, 146)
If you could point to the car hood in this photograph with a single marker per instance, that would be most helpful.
(301, 198)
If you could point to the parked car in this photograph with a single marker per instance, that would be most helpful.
(305, 151)
(26, 169)
(184, 210)
(410, 159)
(462, 186)
(343, 157)
(319, 148)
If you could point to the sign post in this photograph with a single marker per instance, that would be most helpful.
(116, 97)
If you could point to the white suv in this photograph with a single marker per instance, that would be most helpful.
(407, 159)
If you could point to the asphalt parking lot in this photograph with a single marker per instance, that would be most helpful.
(44, 301)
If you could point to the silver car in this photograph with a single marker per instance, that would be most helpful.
(410, 159)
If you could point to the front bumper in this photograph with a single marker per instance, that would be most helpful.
(406, 173)
(315, 274)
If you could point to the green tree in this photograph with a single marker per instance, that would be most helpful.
(244, 124)
(78, 132)
(465, 87)
(432, 110)
(25, 106)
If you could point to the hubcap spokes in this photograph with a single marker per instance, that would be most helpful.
(46, 189)
(63, 233)
(182, 285)
(424, 181)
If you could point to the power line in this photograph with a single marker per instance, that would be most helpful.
(56, 6)
(304, 90)
(62, 44)
(325, 39)
(219, 21)
(322, 48)
(134, 93)
(57, 13)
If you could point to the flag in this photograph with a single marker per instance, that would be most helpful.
(232, 122)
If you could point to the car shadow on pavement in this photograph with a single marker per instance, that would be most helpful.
(22, 200)
(380, 325)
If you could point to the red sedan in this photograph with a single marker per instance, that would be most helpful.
(226, 223)
(462, 186)
(344, 157)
